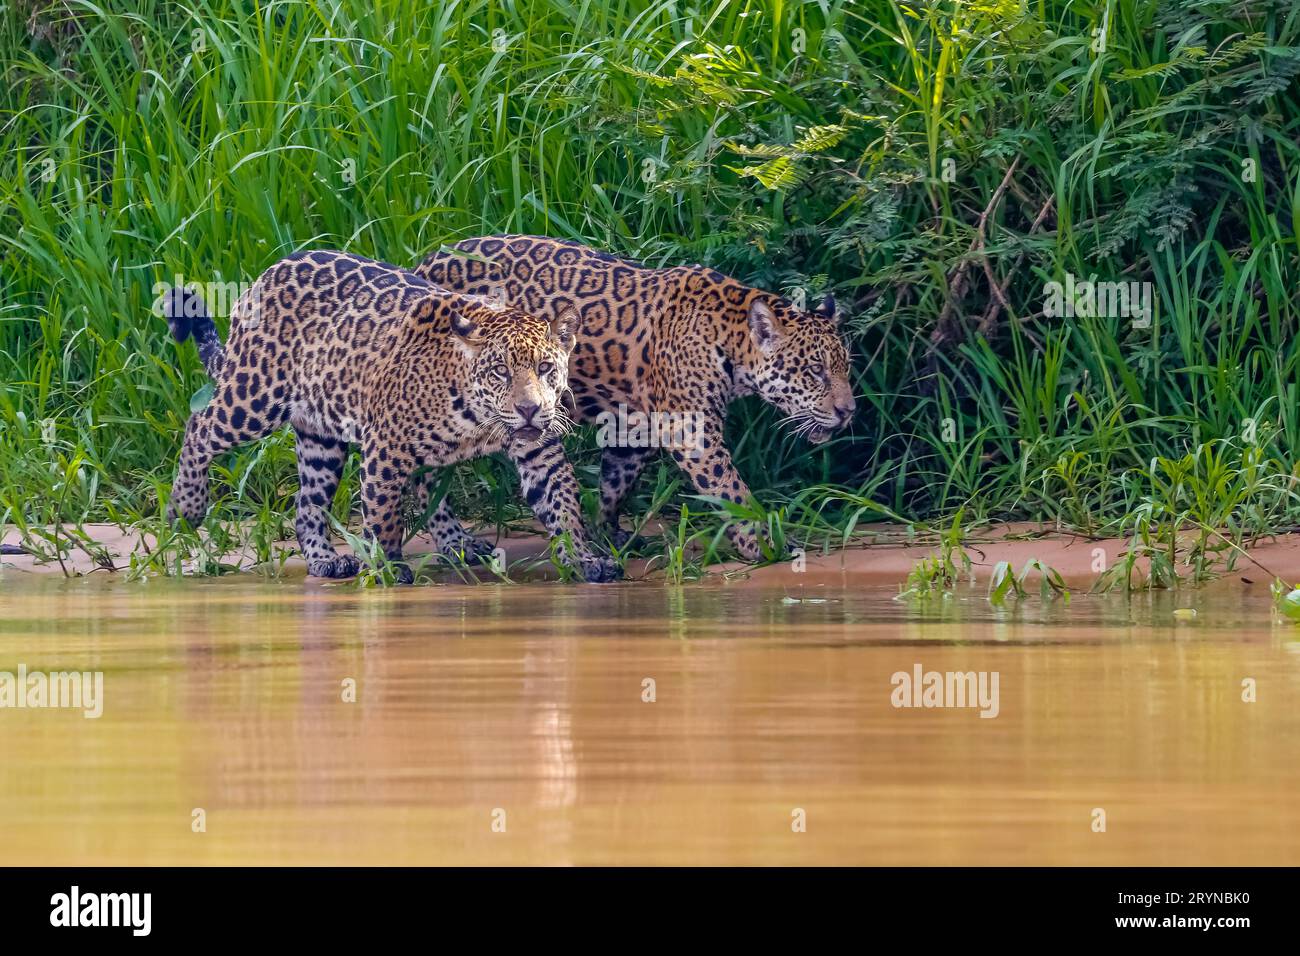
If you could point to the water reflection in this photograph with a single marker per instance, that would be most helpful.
(231, 696)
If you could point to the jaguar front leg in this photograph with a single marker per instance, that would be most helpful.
(552, 492)
(709, 466)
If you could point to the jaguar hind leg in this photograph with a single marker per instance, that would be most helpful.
(449, 536)
(620, 468)
(386, 467)
(189, 497)
(223, 423)
(320, 466)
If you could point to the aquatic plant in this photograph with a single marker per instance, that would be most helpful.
(1286, 598)
(938, 574)
(1005, 583)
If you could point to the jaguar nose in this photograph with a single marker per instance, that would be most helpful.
(845, 412)
(527, 410)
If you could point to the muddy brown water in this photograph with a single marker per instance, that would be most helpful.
(511, 724)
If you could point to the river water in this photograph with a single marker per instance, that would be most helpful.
(255, 721)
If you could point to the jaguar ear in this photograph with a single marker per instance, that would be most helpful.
(763, 325)
(828, 310)
(564, 328)
(466, 331)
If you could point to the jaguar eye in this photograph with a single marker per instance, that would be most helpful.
(500, 371)
(817, 368)
(545, 368)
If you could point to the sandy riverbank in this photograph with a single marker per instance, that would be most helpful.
(879, 555)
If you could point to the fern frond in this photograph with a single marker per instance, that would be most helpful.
(818, 138)
(780, 173)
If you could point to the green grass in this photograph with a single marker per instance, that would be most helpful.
(853, 146)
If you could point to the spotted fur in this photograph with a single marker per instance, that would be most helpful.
(348, 350)
(686, 339)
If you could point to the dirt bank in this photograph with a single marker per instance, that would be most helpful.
(879, 555)
(883, 555)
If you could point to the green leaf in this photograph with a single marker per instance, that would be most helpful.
(818, 138)
(199, 400)
(780, 173)
(1002, 583)
(1290, 605)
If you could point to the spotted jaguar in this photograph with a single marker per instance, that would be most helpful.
(348, 351)
(684, 341)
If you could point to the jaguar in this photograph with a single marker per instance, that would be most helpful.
(348, 350)
(679, 343)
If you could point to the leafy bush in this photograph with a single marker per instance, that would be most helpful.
(936, 164)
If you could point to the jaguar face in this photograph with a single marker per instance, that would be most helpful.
(803, 365)
(519, 369)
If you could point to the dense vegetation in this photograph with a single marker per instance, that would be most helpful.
(936, 164)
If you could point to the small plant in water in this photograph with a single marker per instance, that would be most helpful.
(940, 573)
(1004, 583)
(678, 565)
(1286, 599)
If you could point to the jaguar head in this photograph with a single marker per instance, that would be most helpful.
(801, 365)
(519, 368)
